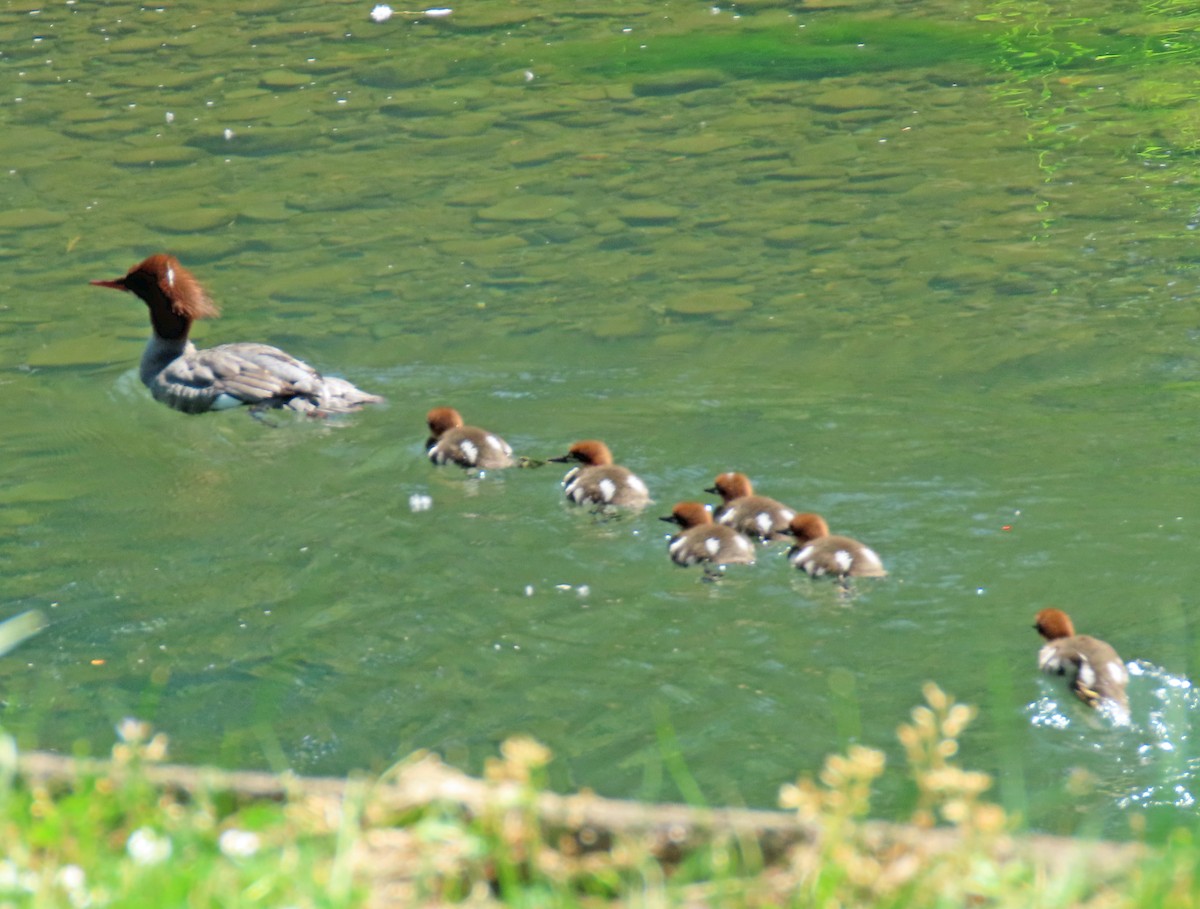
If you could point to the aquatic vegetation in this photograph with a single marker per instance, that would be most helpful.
(1058, 68)
(818, 47)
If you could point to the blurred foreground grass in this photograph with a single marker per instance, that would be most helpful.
(134, 832)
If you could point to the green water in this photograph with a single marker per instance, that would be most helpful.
(937, 292)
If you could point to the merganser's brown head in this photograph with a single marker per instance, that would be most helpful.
(171, 292)
(807, 527)
(689, 514)
(591, 452)
(1053, 624)
(443, 419)
(730, 486)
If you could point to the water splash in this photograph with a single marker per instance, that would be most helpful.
(1168, 746)
(1150, 763)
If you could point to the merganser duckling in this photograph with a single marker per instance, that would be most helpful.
(230, 375)
(705, 542)
(818, 553)
(598, 481)
(756, 516)
(1098, 675)
(451, 442)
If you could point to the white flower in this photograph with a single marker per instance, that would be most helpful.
(238, 843)
(147, 847)
(73, 880)
(132, 730)
(70, 877)
(14, 878)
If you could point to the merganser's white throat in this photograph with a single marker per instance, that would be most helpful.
(230, 375)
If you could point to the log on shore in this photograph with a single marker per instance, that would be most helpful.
(670, 830)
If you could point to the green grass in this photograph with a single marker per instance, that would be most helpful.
(113, 838)
(117, 840)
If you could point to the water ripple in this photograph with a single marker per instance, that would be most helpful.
(1150, 763)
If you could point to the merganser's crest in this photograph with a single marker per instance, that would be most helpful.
(162, 282)
(809, 526)
(732, 485)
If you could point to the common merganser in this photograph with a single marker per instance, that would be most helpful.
(1097, 675)
(230, 375)
(598, 481)
(755, 516)
(451, 442)
(701, 541)
(818, 553)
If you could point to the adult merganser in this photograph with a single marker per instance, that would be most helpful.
(230, 375)
(451, 442)
(1098, 676)
(755, 516)
(704, 542)
(818, 553)
(598, 481)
